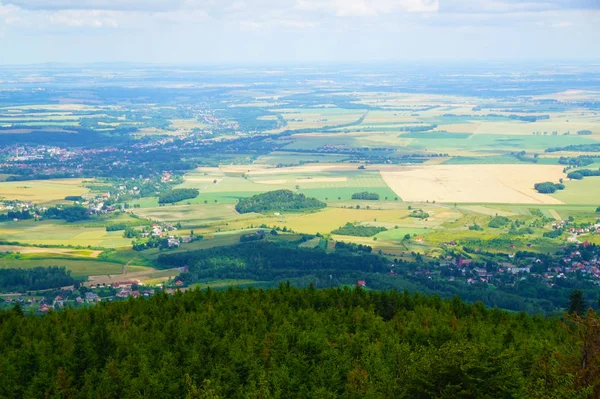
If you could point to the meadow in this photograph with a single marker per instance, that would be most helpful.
(57, 233)
(79, 268)
(586, 191)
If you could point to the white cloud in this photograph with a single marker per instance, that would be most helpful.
(85, 18)
(9, 16)
(180, 16)
(369, 7)
(316, 29)
(135, 5)
(562, 24)
(250, 25)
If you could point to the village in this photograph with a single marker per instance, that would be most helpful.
(580, 261)
(87, 295)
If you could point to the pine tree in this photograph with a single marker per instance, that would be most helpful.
(577, 303)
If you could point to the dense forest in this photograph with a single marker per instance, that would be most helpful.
(267, 261)
(178, 194)
(351, 229)
(280, 200)
(69, 213)
(39, 278)
(293, 343)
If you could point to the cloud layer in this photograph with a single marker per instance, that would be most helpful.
(292, 30)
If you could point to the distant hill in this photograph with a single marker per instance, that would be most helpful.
(280, 200)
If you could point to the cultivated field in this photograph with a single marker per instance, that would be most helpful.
(50, 251)
(326, 182)
(472, 183)
(42, 191)
(586, 191)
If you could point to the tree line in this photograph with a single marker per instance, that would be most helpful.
(38, 278)
(358, 230)
(365, 195)
(178, 194)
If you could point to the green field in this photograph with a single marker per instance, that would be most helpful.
(56, 233)
(227, 283)
(325, 186)
(78, 268)
(399, 233)
(586, 191)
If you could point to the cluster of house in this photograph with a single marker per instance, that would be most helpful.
(160, 231)
(7, 205)
(210, 119)
(571, 265)
(57, 303)
(592, 228)
(30, 153)
(126, 289)
(166, 230)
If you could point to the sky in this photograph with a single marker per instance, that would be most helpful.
(296, 31)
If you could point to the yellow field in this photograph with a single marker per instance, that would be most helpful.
(508, 184)
(42, 191)
(331, 218)
(59, 251)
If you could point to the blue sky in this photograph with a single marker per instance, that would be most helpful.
(296, 31)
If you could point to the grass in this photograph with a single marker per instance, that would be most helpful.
(78, 268)
(586, 191)
(399, 233)
(315, 242)
(57, 233)
(436, 135)
(227, 284)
